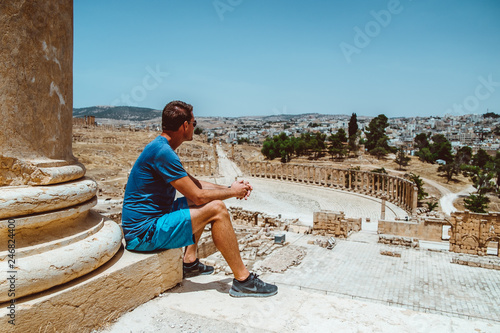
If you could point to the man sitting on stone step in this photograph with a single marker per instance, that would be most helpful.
(153, 220)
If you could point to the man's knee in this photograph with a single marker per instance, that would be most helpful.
(219, 208)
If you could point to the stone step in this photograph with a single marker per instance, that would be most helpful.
(128, 280)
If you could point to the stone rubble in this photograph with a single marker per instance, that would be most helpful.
(398, 240)
(475, 261)
(390, 253)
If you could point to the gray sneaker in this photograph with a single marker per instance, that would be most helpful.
(196, 268)
(254, 287)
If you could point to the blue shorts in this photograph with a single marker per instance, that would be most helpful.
(170, 231)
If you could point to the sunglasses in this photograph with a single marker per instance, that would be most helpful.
(194, 123)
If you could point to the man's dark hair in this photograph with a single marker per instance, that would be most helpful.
(175, 114)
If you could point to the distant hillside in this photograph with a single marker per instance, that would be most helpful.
(284, 117)
(118, 112)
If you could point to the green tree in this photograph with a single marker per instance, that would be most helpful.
(464, 155)
(421, 194)
(315, 143)
(336, 148)
(268, 149)
(497, 130)
(448, 170)
(491, 115)
(482, 182)
(481, 178)
(458, 162)
(299, 146)
(342, 135)
(441, 148)
(198, 130)
(377, 142)
(353, 133)
(421, 141)
(481, 158)
(278, 146)
(431, 205)
(401, 158)
(425, 155)
(494, 167)
(477, 203)
(378, 152)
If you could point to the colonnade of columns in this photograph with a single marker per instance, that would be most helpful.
(198, 168)
(399, 191)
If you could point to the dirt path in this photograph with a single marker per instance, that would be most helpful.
(227, 168)
(447, 196)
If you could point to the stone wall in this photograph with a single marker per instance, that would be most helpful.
(241, 216)
(398, 241)
(430, 229)
(334, 223)
(399, 191)
(472, 232)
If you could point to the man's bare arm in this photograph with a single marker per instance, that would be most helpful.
(206, 185)
(194, 191)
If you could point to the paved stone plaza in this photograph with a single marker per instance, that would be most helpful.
(352, 288)
(421, 279)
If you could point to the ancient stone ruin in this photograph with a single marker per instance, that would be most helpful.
(327, 223)
(471, 233)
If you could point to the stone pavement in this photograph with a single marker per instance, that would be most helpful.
(421, 279)
(202, 304)
(352, 288)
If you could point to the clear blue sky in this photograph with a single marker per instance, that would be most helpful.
(256, 57)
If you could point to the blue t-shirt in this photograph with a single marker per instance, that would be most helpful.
(148, 194)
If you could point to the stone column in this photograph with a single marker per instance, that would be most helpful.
(384, 182)
(414, 200)
(373, 184)
(382, 213)
(391, 188)
(43, 192)
(405, 195)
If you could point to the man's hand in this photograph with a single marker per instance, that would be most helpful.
(242, 188)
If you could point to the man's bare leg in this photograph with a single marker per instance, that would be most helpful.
(190, 254)
(225, 240)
